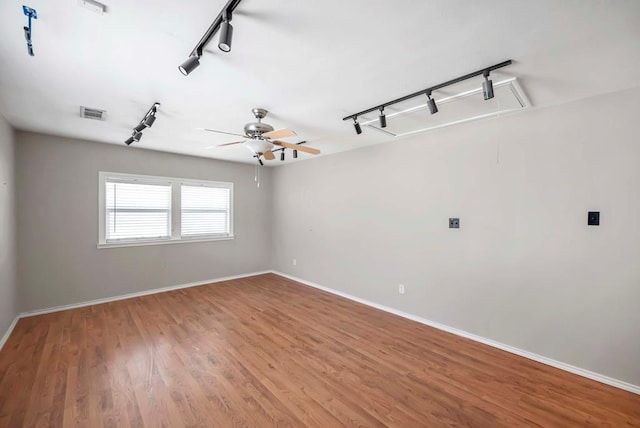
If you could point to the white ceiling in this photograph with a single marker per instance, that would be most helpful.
(308, 63)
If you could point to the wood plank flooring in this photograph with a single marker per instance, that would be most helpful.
(266, 351)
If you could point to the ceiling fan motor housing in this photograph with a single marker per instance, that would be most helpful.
(256, 129)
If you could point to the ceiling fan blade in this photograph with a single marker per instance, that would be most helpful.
(222, 132)
(298, 147)
(280, 133)
(268, 155)
(228, 144)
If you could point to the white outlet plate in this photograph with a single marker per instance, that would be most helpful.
(294, 262)
(401, 288)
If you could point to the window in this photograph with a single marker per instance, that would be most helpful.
(144, 210)
(205, 210)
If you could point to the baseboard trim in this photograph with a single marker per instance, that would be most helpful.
(530, 355)
(136, 294)
(9, 331)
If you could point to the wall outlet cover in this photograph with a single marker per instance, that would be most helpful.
(454, 223)
(593, 219)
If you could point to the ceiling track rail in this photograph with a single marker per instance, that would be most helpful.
(427, 91)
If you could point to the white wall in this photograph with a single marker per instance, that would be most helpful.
(524, 269)
(58, 262)
(8, 286)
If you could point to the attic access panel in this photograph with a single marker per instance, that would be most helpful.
(456, 104)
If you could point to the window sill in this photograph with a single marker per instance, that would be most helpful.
(164, 242)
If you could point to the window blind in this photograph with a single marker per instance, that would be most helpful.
(205, 210)
(137, 211)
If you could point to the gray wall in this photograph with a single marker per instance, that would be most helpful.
(57, 188)
(8, 285)
(524, 268)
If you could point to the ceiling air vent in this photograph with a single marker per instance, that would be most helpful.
(92, 113)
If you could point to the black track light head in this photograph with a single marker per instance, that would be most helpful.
(129, 141)
(148, 121)
(136, 136)
(189, 65)
(356, 125)
(433, 107)
(282, 155)
(487, 86)
(226, 34)
(383, 118)
(260, 161)
(140, 126)
(295, 154)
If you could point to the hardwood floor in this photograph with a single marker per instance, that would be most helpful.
(266, 351)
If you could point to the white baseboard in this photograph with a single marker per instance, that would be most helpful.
(137, 294)
(9, 331)
(530, 355)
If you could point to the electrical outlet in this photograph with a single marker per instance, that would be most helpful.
(593, 218)
(294, 262)
(454, 223)
(401, 288)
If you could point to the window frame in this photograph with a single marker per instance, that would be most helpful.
(175, 213)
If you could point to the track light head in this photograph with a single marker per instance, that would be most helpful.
(356, 125)
(136, 136)
(383, 118)
(129, 141)
(487, 86)
(189, 65)
(433, 107)
(140, 126)
(148, 121)
(282, 155)
(260, 161)
(226, 34)
(295, 154)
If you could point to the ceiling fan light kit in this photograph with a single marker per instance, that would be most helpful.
(222, 23)
(262, 140)
(487, 89)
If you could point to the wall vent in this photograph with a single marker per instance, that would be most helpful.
(457, 104)
(92, 113)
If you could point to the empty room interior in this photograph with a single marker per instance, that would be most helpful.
(243, 213)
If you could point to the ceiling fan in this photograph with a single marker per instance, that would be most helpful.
(261, 138)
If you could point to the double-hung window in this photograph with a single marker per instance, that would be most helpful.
(144, 210)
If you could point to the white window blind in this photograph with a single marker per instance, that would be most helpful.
(205, 210)
(137, 211)
(147, 210)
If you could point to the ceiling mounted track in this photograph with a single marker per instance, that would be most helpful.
(222, 23)
(487, 87)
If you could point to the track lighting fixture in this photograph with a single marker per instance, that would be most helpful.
(282, 155)
(260, 162)
(487, 89)
(357, 125)
(433, 108)
(150, 120)
(146, 122)
(226, 34)
(295, 154)
(140, 127)
(222, 23)
(189, 65)
(383, 118)
(31, 14)
(487, 86)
